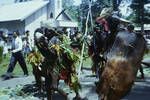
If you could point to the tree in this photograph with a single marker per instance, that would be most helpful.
(71, 8)
(147, 12)
(95, 9)
(116, 4)
(140, 14)
(68, 3)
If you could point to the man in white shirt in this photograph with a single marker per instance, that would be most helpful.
(16, 56)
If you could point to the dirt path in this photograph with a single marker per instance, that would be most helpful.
(16, 81)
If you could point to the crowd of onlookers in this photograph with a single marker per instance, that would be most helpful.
(6, 41)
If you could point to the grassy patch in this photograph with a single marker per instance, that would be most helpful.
(147, 55)
(17, 70)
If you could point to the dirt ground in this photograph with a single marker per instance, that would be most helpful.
(140, 91)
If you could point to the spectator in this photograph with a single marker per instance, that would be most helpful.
(26, 44)
(5, 49)
(16, 56)
(130, 29)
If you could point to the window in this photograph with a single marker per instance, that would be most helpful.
(51, 15)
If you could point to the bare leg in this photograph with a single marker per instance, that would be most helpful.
(37, 75)
(48, 83)
(77, 97)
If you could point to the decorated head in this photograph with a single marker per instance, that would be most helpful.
(106, 12)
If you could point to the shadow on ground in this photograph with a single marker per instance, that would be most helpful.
(140, 91)
(31, 89)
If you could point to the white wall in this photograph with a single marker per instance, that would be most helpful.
(34, 21)
(55, 7)
(51, 8)
(67, 24)
(58, 8)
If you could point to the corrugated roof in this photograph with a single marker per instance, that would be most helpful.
(20, 11)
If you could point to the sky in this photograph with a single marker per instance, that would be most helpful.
(6, 1)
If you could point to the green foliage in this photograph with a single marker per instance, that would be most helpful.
(68, 50)
(1, 53)
(71, 9)
(67, 3)
(133, 17)
(35, 58)
(138, 8)
(147, 16)
(95, 9)
(17, 71)
(11, 92)
(14, 94)
(74, 85)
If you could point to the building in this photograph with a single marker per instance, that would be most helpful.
(30, 15)
(57, 17)
(146, 30)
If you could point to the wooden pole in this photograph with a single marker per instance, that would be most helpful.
(85, 34)
(83, 45)
(91, 15)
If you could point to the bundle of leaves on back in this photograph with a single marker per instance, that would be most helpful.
(65, 64)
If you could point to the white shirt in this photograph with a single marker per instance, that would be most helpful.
(18, 45)
(5, 48)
